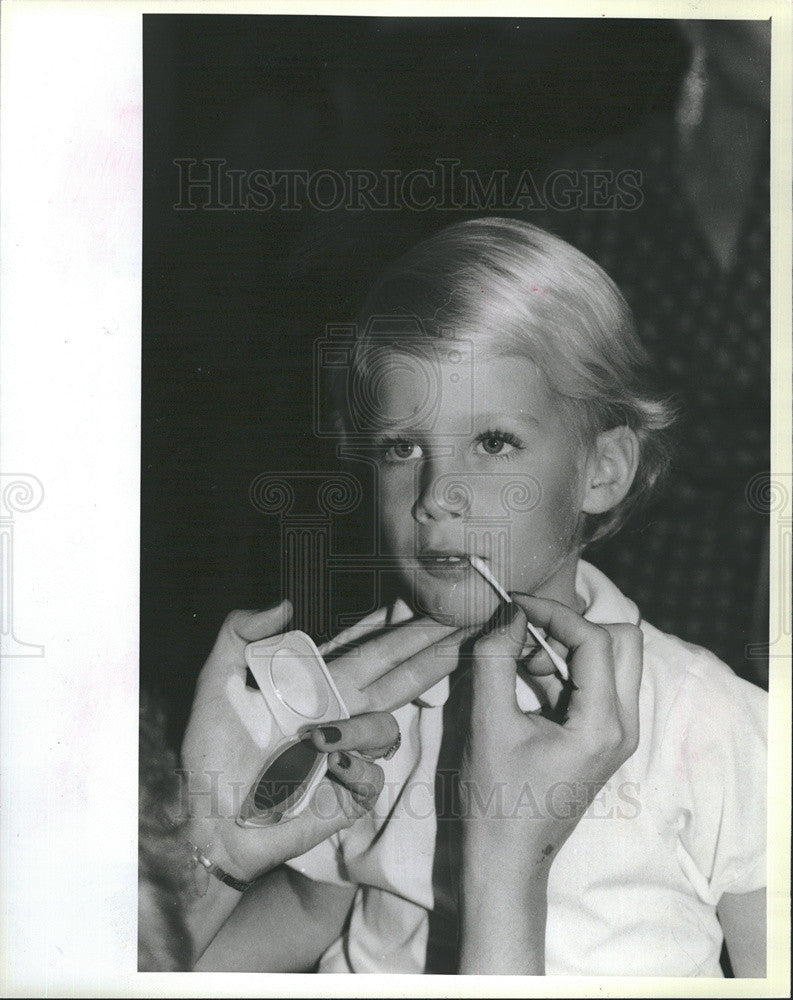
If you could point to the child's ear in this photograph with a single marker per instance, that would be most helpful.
(610, 468)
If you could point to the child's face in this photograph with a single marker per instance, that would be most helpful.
(489, 468)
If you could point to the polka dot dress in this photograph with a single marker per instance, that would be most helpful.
(692, 559)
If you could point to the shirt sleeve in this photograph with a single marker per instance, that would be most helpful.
(720, 724)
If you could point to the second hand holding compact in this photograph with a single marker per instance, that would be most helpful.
(300, 695)
(481, 568)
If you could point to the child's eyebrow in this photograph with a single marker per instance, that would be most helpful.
(492, 415)
(480, 418)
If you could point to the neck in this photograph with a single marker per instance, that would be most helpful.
(560, 585)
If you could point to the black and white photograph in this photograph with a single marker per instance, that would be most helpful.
(457, 601)
(434, 309)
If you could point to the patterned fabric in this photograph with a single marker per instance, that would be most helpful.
(692, 560)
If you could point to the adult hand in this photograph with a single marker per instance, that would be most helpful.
(223, 749)
(221, 759)
(396, 665)
(512, 757)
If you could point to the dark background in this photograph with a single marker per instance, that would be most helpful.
(233, 300)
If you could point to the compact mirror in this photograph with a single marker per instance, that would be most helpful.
(284, 779)
(299, 692)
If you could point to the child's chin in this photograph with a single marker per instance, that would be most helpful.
(453, 609)
(450, 618)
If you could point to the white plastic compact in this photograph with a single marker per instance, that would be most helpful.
(300, 694)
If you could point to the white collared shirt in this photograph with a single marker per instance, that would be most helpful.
(633, 890)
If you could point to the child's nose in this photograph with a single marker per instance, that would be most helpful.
(443, 493)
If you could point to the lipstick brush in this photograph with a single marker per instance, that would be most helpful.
(481, 568)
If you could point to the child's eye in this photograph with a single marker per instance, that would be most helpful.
(497, 443)
(400, 450)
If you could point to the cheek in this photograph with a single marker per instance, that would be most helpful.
(395, 499)
(553, 520)
(563, 509)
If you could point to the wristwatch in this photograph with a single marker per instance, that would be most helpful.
(197, 857)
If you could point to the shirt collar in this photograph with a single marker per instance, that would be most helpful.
(603, 603)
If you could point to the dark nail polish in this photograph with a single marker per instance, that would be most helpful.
(344, 760)
(330, 734)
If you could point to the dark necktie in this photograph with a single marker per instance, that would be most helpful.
(442, 952)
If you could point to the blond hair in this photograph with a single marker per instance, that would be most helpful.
(533, 295)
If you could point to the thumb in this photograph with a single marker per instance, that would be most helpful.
(253, 625)
(495, 656)
(242, 627)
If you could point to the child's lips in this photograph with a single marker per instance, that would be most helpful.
(444, 564)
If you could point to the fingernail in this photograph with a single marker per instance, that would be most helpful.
(394, 747)
(505, 616)
(344, 760)
(518, 595)
(330, 734)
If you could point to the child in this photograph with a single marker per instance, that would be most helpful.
(500, 387)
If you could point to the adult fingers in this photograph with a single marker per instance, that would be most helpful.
(495, 657)
(333, 807)
(363, 778)
(591, 661)
(537, 662)
(365, 733)
(559, 621)
(376, 657)
(226, 662)
(628, 644)
(417, 673)
(242, 627)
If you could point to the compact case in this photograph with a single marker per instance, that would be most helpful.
(300, 694)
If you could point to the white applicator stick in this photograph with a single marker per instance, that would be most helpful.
(481, 568)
